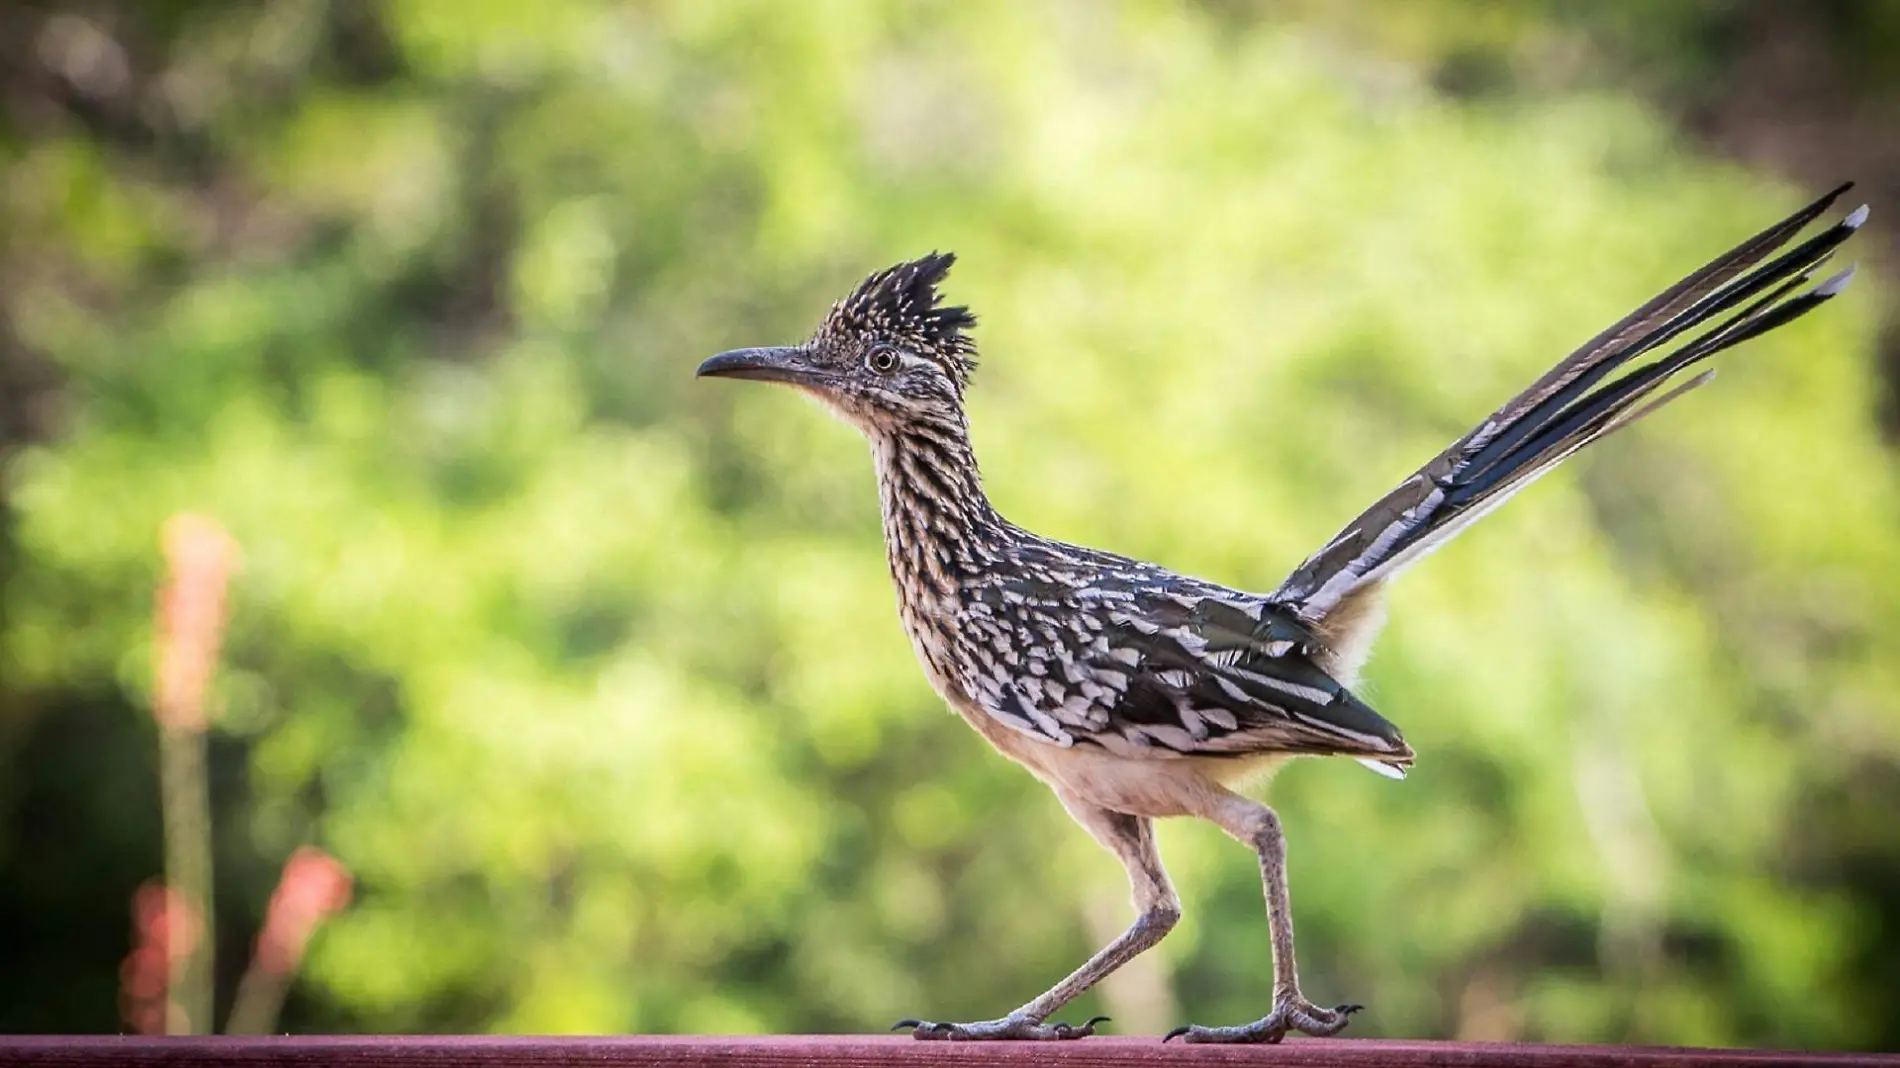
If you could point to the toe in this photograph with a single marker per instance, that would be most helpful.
(1307, 1018)
(1269, 1031)
(1009, 1027)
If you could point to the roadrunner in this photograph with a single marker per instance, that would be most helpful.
(1137, 693)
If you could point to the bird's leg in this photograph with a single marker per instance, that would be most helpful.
(1256, 825)
(1130, 838)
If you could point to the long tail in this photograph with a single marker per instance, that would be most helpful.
(1566, 409)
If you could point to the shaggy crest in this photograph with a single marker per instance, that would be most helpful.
(901, 303)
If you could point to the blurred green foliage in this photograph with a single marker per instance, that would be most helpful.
(590, 672)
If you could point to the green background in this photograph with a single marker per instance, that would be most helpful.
(590, 672)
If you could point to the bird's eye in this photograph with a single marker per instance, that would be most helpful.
(882, 359)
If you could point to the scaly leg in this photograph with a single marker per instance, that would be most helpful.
(1256, 825)
(1132, 840)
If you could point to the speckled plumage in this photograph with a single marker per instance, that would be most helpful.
(1070, 646)
(1065, 645)
(1136, 692)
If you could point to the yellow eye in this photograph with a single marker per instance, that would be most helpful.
(882, 359)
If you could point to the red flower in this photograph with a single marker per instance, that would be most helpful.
(314, 885)
(164, 927)
(200, 557)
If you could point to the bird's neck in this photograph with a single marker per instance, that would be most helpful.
(939, 526)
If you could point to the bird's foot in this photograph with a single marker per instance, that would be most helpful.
(1292, 1013)
(1013, 1026)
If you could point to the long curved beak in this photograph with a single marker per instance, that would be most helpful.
(782, 364)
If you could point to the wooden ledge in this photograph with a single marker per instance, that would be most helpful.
(811, 1051)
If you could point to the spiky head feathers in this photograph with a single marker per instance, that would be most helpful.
(887, 359)
(900, 306)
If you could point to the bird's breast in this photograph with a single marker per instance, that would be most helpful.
(930, 622)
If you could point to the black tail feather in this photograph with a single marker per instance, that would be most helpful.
(1601, 407)
(1569, 407)
(1796, 263)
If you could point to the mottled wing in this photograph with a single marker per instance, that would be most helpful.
(1162, 670)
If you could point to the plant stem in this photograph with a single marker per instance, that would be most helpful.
(186, 803)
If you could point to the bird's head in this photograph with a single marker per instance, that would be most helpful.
(885, 357)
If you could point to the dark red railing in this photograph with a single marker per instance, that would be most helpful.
(809, 1051)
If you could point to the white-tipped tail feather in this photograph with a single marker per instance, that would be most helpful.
(1385, 768)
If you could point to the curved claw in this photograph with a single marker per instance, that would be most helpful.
(926, 1030)
(923, 1028)
(1348, 1009)
(1177, 1032)
(1084, 1031)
